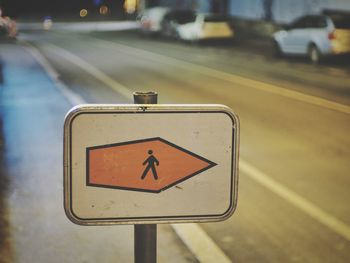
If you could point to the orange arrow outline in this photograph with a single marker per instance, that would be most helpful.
(88, 149)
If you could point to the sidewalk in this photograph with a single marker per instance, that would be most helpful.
(32, 113)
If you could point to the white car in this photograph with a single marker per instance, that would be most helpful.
(150, 20)
(315, 36)
(173, 19)
(206, 26)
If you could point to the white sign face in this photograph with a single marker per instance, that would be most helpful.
(145, 164)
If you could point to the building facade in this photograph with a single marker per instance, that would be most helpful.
(283, 11)
(279, 11)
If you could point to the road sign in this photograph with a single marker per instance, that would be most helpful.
(130, 164)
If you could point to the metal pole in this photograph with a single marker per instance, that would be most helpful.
(145, 236)
(149, 97)
(145, 243)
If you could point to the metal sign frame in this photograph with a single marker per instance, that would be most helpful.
(148, 109)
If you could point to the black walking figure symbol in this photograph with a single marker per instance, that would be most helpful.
(150, 165)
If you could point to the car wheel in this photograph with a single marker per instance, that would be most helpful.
(3, 32)
(194, 41)
(144, 33)
(163, 31)
(315, 55)
(177, 36)
(277, 52)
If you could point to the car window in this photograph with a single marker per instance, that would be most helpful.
(310, 22)
(341, 21)
(317, 22)
(216, 18)
(181, 16)
(300, 23)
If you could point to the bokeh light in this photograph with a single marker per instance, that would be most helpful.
(130, 6)
(104, 10)
(83, 13)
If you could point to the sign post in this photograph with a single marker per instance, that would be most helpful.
(148, 163)
(145, 236)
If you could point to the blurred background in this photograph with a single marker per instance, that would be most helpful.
(282, 65)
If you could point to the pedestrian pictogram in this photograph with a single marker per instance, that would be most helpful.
(124, 166)
(150, 161)
(147, 164)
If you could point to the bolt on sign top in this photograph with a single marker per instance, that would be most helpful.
(143, 164)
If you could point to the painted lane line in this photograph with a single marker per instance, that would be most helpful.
(195, 238)
(306, 206)
(293, 198)
(290, 196)
(200, 244)
(71, 96)
(95, 72)
(298, 201)
(266, 87)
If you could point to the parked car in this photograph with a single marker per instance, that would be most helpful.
(206, 26)
(173, 19)
(315, 36)
(150, 20)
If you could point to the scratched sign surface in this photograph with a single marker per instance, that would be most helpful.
(127, 164)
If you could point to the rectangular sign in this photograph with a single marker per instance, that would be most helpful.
(145, 164)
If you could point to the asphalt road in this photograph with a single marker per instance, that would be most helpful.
(294, 150)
